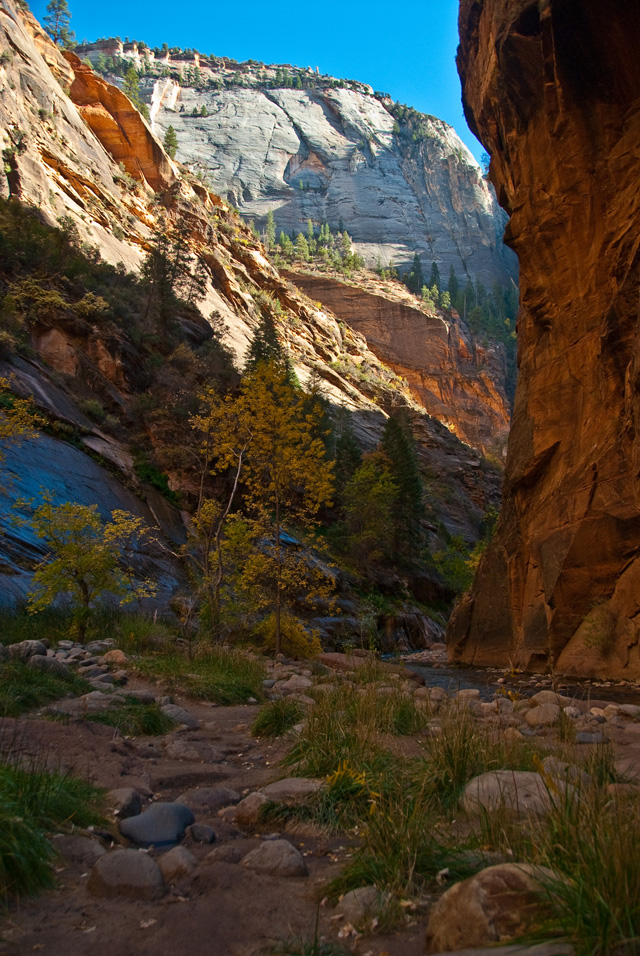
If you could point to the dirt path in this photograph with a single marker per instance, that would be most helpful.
(222, 909)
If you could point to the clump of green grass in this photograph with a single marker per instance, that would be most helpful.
(135, 719)
(221, 676)
(22, 687)
(277, 717)
(33, 802)
(305, 946)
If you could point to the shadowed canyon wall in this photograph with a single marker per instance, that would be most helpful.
(553, 91)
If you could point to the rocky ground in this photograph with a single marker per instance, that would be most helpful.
(184, 864)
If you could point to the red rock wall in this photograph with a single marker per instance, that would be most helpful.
(553, 90)
(457, 382)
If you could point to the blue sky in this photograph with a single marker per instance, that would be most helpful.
(406, 50)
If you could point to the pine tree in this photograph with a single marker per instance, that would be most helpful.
(434, 278)
(270, 232)
(302, 248)
(265, 345)
(408, 506)
(171, 142)
(57, 23)
(132, 90)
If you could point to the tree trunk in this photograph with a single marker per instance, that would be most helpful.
(278, 577)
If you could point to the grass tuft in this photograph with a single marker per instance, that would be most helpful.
(223, 677)
(23, 688)
(277, 717)
(135, 719)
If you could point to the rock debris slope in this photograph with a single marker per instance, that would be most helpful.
(553, 89)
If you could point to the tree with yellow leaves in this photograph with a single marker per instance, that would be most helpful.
(267, 435)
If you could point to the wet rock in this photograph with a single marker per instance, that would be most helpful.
(127, 873)
(161, 824)
(177, 863)
(498, 904)
(277, 857)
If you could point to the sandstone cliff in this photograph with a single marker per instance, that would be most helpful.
(553, 90)
(455, 379)
(334, 152)
(74, 147)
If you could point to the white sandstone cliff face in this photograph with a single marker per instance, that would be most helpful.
(331, 155)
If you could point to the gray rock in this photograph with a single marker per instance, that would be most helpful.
(226, 853)
(586, 738)
(161, 824)
(50, 665)
(79, 849)
(521, 792)
(247, 813)
(360, 906)
(257, 146)
(177, 863)
(544, 715)
(125, 802)
(277, 857)
(208, 800)
(292, 789)
(201, 833)
(180, 715)
(24, 650)
(128, 873)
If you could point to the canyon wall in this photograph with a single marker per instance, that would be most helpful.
(553, 91)
(457, 381)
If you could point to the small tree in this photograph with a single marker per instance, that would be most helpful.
(369, 499)
(57, 23)
(270, 232)
(132, 89)
(83, 559)
(171, 142)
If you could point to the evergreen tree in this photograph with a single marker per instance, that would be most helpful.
(171, 142)
(445, 301)
(265, 345)
(270, 232)
(408, 506)
(57, 23)
(302, 248)
(132, 90)
(414, 280)
(434, 278)
(347, 453)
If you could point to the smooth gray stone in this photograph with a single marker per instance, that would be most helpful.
(127, 873)
(161, 824)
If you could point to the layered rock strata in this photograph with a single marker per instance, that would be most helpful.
(458, 381)
(553, 90)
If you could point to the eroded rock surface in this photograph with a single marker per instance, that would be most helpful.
(553, 90)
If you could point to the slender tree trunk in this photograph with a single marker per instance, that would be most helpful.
(219, 530)
(278, 640)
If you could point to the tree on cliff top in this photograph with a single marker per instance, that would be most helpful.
(171, 142)
(57, 23)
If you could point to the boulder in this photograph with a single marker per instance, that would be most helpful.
(498, 904)
(116, 656)
(180, 715)
(226, 853)
(277, 857)
(201, 833)
(292, 789)
(208, 800)
(161, 824)
(521, 792)
(125, 802)
(128, 873)
(294, 685)
(24, 650)
(177, 863)
(543, 716)
(360, 906)
(247, 813)
(79, 849)
(50, 665)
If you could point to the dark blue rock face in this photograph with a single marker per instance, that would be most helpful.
(162, 824)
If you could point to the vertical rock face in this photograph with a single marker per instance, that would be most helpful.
(553, 89)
